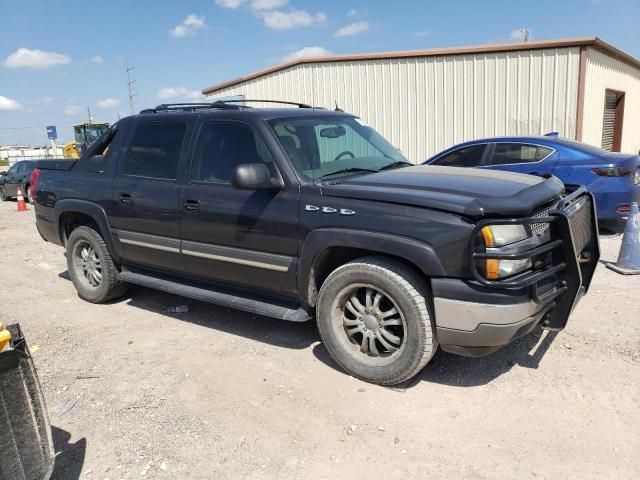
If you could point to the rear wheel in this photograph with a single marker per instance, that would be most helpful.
(30, 196)
(373, 317)
(91, 267)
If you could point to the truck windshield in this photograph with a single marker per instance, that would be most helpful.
(87, 134)
(325, 148)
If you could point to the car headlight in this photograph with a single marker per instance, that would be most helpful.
(500, 235)
(496, 236)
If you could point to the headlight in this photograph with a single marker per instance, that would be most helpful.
(495, 236)
(496, 269)
(500, 235)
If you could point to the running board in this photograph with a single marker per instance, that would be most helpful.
(258, 307)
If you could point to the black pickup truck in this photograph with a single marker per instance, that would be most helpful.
(301, 213)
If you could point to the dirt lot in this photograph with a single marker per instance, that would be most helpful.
(216, 393)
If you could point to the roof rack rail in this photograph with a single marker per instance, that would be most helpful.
(222, 104)
(283, 102)
(184, 107)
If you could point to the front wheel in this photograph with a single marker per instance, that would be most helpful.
(3, 195)
(91, 267)
(373, 317)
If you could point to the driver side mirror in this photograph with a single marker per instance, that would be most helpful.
(253, 176)
(3, 173)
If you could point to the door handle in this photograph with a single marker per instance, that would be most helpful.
(192, 205)
(126, 198)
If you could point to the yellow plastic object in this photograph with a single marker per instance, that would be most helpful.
(70, 150)
(5, 337)
(492, 265)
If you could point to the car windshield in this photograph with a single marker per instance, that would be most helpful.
(326, 148)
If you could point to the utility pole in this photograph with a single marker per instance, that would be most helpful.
(130, 84)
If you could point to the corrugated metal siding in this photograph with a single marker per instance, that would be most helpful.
(423, 105)
(605, 72)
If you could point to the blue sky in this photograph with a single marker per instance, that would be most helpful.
(58, 58)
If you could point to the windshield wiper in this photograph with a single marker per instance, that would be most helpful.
(347, 170)
(399, 163)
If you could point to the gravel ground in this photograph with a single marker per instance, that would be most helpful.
(134, 391)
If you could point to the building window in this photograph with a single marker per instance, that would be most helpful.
(612, 120)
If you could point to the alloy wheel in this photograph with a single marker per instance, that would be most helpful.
(371, 323)
(87, 264)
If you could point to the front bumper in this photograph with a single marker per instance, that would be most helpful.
(477, 317)
(474, 328)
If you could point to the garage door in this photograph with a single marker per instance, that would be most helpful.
(612, 121)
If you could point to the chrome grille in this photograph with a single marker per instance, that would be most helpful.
(538, 228)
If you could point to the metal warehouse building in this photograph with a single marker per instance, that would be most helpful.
(427, 100)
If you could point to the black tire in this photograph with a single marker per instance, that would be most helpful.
(412, 330)
(84, 240)
(28, 194)
(3, 195)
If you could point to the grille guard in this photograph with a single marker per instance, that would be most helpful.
(573, 269)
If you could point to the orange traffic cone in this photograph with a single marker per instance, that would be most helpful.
(22, 207)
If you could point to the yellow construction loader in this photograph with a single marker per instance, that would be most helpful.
(85, 134)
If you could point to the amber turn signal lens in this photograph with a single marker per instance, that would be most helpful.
(487, 236)
(493, 269)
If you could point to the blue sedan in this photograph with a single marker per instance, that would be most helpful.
(613, 178)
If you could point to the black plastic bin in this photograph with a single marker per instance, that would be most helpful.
(26, 448)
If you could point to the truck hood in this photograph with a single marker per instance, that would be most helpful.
(465, 191)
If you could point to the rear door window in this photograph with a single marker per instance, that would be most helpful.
(463, 157)
(155, 150)
(511, 153)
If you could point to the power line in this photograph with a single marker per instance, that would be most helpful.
(36, 126)
(525, 33)
(130, 84)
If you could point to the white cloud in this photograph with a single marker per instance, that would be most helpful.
(352, 13)
(423, 33)
(279, 20)
(189, 26)
(25, 58)
(72, 109)
(9, 105)
(44, 101)
(229, 3)
(355, 28)
(253, 4)
(96, 59)
(179, 92)
(307, 52)
(268, 4)
(518, 35)
(108, 103)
